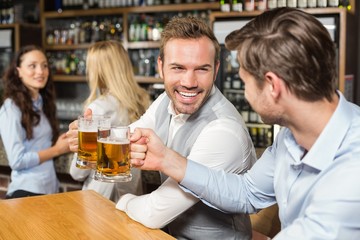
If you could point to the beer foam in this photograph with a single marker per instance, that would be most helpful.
(114, 141)
(87, 130)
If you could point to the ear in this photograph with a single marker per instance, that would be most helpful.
(217, 65)
(274, 84)
(18, 72)
(160, 67)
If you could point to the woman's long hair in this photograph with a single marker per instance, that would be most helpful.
(16, 90)
(109, 69)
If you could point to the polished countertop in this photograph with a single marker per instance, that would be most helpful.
(71, 215)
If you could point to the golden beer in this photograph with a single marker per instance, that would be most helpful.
(113, 150)
(113, 158)
(87, 137)
(87, 150)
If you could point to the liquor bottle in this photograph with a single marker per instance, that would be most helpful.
(253, 134)
(236, 82)
(321, 3)
(302, 3)
(262, 5)
(311, 3)
(291, 3)
(4, 11)
(245, 107)
(225, 5)
(272, 4)
(345, 4)
(237, 6)
(261, 140)
(11, 16)
(281, 3)
(333, 3)
(249, 5)
(58, 6)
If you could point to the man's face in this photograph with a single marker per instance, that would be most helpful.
(189, 72)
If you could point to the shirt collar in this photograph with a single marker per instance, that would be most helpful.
(322, 153)
(38, 103)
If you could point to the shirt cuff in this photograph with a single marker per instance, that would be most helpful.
(123, 201)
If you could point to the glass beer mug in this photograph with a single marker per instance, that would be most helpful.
(87, 135)
(113, 154)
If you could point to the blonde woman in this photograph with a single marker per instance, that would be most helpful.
(113, 92)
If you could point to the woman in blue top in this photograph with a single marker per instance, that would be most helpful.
(29, 128)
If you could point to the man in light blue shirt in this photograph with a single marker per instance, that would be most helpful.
(288, 64)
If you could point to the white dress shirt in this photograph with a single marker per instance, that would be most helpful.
(219, 146)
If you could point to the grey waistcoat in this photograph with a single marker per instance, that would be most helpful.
(201, 221)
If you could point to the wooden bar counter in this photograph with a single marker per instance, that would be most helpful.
(71, 215)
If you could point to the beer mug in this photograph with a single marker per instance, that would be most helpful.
(113, 154)
(87, 135)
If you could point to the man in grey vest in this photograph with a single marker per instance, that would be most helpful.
(195, 119)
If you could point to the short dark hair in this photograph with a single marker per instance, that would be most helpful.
(292, 44)
(187, 28)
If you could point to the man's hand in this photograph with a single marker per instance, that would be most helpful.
(149, 153)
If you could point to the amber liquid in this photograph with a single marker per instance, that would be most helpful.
(113, 158)
(87, 150)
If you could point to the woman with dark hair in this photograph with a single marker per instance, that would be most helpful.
(29, 128)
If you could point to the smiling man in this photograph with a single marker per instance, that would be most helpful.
(195, 119)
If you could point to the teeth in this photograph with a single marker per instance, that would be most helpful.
(186, 94)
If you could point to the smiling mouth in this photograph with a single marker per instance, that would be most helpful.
(187, 94)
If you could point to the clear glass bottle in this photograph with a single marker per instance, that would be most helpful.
(271, 4)
(281, 3)
(333, 3)
(291, 3)
(321, 3)
(311, 3)
(302, 3)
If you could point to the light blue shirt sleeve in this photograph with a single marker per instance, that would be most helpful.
(317, 194)
(229, 192)
(14, 138)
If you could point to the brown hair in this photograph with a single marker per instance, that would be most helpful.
(187, 28)
(292, 44)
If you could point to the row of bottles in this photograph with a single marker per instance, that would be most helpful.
(145, 28)
(154, 89)
(261, 136)
(237, 98)
(67, 62)
(260, 133)
(6, 11)
(84, 30)
(144, 62)
(61, 5)
(148, 27)
(251, 5)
